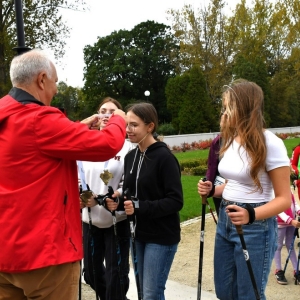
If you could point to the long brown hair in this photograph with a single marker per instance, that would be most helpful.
(244, 118)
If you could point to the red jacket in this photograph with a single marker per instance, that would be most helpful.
(39, 203)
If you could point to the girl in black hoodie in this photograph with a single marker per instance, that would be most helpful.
(152, 175)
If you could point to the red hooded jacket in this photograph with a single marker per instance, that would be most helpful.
(39, 201)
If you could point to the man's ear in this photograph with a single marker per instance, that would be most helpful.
(41, 80)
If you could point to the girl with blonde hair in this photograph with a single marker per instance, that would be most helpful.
(254, 162)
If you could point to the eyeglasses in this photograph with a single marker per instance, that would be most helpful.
(131, 126)
(102, 116)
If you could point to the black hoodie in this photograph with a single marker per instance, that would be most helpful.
(153, 177)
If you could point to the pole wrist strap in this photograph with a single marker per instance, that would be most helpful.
(251, 213)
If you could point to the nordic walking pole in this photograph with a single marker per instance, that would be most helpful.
(204, 201)
(118, 249)
(84, 196)
(80, 281)
(79, 289)
(92, 246)
(297, 272)
(134, 256)
(239, 230)
(296, 233)
(118, 255)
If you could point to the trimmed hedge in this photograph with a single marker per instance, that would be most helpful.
(193, 163)
(198, 171)
(195, 167)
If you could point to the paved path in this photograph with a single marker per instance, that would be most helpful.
(174, 291)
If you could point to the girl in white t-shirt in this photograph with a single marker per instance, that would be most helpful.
(254, 161)
(100, 243)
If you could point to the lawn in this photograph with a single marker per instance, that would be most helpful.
(192, 202)
(290, 144)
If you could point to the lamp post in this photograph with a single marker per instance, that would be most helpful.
(20, 28)
(147, 94)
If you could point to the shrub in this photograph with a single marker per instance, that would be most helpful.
(176, 148)
(198, 171)
(188, 164)
(166, 129)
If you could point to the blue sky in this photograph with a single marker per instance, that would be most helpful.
(102, 19)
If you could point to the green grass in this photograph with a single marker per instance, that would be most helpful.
(290, 144)
(192, 202)
(192, 207)
(183, 156)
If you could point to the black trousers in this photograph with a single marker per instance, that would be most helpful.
(99, 246)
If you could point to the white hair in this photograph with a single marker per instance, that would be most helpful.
(25, 67)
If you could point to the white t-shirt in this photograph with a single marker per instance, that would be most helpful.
(101, 217)
(235, 168)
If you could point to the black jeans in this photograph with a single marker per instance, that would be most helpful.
(100, 245)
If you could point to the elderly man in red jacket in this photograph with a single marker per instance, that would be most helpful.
(41, 240)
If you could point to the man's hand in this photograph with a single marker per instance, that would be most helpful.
(120, 113)
(93, 122)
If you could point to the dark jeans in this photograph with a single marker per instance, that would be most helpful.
(108, 281)
(232, 279)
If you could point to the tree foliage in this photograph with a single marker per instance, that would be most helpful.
(189, 103)
(71, 100)
(183, 66)
(176, 87)
(43, 26)
(125, 64)
(257, 41)
(205, 42)
(254, 70)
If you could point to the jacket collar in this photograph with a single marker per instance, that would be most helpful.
(23, 97)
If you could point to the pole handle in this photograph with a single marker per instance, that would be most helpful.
(204, 198)
(239, 229)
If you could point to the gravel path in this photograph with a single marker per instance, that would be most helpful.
(185, 266)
